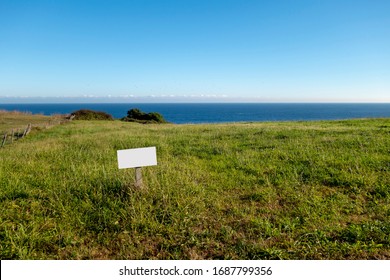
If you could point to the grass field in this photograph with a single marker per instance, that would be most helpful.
(19, 120)
(287, 190)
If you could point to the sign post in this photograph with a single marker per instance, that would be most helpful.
(138, 178)
(137, 158)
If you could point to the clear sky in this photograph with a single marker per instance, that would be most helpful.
(195, 50)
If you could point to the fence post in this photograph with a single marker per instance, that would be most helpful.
(12, 136)
(4, 140)
(27, 130)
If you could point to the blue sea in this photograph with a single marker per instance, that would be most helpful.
(182, 113)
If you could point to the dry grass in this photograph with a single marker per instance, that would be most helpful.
(19, 120)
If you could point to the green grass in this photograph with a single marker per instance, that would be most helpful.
(287, 190)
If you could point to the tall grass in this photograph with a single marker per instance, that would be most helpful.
(288, 190)
(19, 120)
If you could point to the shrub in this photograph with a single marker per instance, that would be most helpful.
(136, 115)
(85, 114)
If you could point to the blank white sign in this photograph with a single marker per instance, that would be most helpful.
(139, 157)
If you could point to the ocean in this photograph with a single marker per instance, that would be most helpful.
(183, 113)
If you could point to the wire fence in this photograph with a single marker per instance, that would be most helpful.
(15, 134)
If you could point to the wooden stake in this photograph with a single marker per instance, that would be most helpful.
(28, 128)
(4, 140)
(138, 178)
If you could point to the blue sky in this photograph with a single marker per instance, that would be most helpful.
(195, 50)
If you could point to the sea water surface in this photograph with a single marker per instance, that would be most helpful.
(182, 113)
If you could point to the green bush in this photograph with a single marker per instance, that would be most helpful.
(85, 114)
(136, 115)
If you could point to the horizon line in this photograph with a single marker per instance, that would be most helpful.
(176, 99)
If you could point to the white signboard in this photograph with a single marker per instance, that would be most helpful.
(139, 157)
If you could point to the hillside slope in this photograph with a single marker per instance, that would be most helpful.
(291, 190)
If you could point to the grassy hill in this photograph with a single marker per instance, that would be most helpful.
(288, 190)
(18, 120)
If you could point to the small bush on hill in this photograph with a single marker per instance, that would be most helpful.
(136, 115)
(85, 114)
